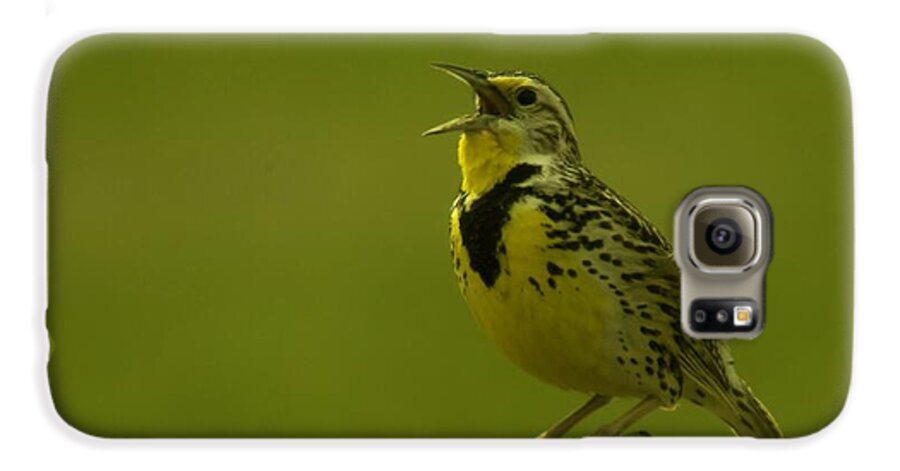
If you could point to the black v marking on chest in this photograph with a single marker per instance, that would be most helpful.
(482, 223)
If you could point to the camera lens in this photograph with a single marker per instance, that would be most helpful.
(723, 236)
(700, 316)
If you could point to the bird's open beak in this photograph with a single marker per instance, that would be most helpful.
(491, 103)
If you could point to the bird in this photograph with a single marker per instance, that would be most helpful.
(573, 283)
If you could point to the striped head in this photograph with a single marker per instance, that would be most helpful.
(517, 115)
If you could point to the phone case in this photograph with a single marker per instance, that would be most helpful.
(248, 234)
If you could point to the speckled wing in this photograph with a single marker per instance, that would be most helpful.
(711, 378)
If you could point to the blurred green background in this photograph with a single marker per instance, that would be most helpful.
(248, 236)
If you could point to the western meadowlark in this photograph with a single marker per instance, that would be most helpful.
(573, 283)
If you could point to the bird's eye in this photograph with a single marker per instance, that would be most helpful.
(526, 96)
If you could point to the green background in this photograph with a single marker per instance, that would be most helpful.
(248, 236)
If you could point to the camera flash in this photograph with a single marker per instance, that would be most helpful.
(743, 315)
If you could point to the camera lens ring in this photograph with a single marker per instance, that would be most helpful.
(722, 316)
(699, 316)
(723, 236)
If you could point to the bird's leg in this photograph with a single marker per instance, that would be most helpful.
(566, 423)
(618, 426)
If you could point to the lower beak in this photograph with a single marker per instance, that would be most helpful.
(491, 103)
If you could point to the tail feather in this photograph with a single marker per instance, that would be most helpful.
(743, 412)
(717, 386)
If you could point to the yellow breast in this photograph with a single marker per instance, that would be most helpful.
(556, 330)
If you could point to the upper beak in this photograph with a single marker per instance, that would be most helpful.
(491, 103)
